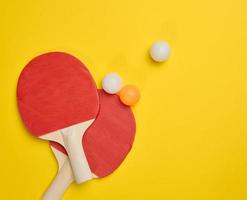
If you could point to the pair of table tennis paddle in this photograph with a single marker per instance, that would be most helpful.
(58, 101)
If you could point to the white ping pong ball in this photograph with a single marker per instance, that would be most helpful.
(112, 83)
(160, 51)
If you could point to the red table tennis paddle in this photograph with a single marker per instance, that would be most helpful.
(106, 144)
(58, 101)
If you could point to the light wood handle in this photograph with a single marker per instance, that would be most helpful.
(72, 137)
(60, 183)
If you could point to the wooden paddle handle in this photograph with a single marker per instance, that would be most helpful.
(72, 137)
(60, 183)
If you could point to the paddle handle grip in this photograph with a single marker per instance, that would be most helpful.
(60, 183)
(72, 137)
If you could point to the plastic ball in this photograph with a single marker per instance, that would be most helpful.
(112, 83)
(129, 95)
(160, 51)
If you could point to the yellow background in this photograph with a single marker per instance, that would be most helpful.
(191, 141)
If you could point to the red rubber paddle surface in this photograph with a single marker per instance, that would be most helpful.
(55, 90)
(109, 139)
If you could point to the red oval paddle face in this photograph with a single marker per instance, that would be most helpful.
(55, 90)
(109, 139)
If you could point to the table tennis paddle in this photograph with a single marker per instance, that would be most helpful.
(106, 144)
(58, 100)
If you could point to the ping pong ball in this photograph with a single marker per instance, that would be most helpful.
(112, 83)
(129, 95)
(160, 51)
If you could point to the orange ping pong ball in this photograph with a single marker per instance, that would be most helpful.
(129, 95)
